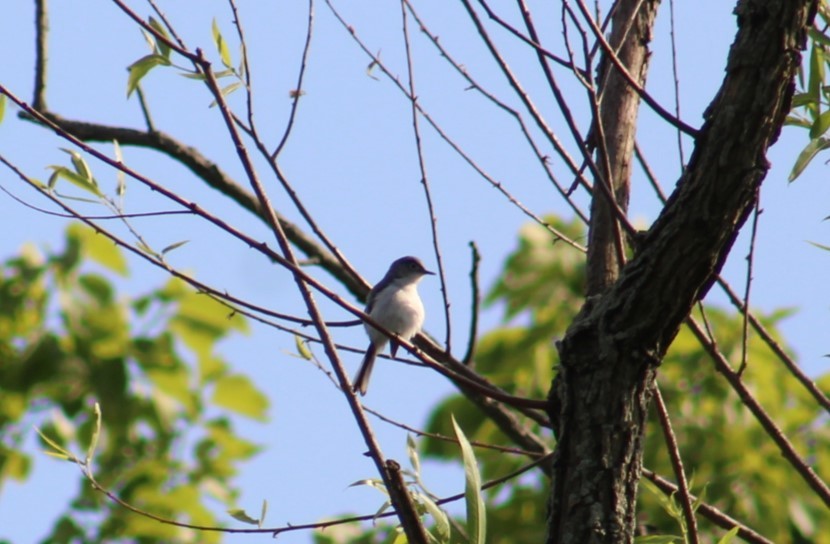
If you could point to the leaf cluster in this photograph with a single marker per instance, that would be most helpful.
(68, 342)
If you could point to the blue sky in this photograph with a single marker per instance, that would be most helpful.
(352, 160)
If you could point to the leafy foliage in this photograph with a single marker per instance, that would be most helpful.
(68, 342)
(810, 104)
(732, 463)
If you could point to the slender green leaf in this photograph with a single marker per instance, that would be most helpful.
(193, 75)
(795, 120)
(81, 166)
(816, 75)
(221, 45)
(802, 99)
(820, 246)
(807, 155)
(57, 450)
(142, 246)
(163, 48)
(53, 179)
(228, 89)
(223, 73)
(2, 106)
(121, 179)
(141, 67)
(171, 247)
(729, 536)
(818, 36)
(657, 539)
(820, 126)
(263, 512)
(375, 483)
(61, 456)
(151, 41)
(93, 442)
(476, 514)
(442, 522)
(412, 451)
(240, 515)
(75, 179)
(302, 348)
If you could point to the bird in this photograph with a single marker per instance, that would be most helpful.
(395, 305)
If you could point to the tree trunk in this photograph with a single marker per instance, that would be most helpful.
(610, 353)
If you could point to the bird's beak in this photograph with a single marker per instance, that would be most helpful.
(428, 273)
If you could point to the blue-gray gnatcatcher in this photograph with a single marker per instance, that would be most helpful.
(395, 305)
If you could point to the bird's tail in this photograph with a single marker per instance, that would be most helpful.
(361, 381)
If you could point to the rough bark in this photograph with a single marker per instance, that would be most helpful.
(610, 353)
(613, 135)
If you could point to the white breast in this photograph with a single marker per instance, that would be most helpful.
(399, 310)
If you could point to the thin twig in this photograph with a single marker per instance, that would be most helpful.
(776, 348)
(646, 97)
(466, 157)
(476, 302)
(145, 110)
(677, 465)
(750, 261)
(297, 92)
(433, 219)
(246, 67)
(708, 511)
(676, 78)
(822, 491)
(41, 54)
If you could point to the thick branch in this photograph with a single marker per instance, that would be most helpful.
(613, 134)
(212, 175)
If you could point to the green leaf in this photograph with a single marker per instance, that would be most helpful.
(223, 73)
(476, 513)
(240, 515)
(820, 246)
(57, 451)
(442, 522)
(141, 67)
(263, 512)
(67, 174)
(657, 539)
(302, 348)
(225, 91)
(194, 75)
(163, 48)
(121, 179)
(96, 433)
(806, 155)
(816, 74)
(201, 321)
(221, 45)
(802, 99)
(175, 383)
(81, 167)
(412, 451)
(2, 106)
(171, 247)
(729, 537)
(820, 126)
(794, 120)
(237, 393)
(99, 248)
